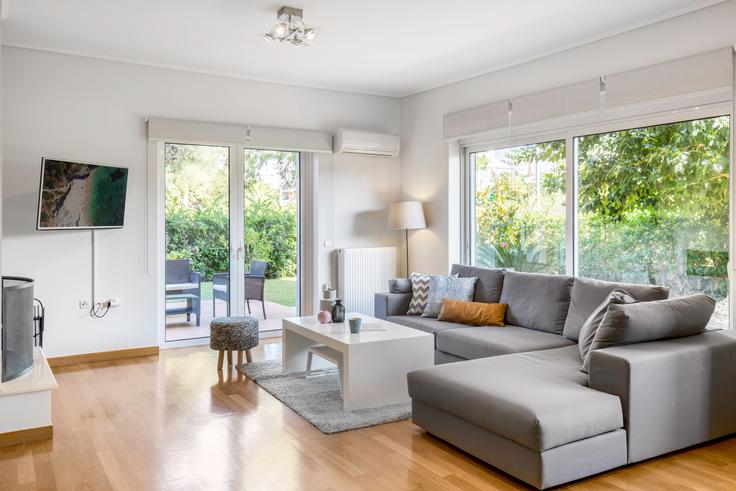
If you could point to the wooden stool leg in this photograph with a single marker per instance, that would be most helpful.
(220, 356)
(229, 358)
(240, 359)
(247, 356)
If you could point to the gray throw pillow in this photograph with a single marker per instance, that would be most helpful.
(450, 288)
(591, 324)
(587, 294)
(651, 321)
(419, 293)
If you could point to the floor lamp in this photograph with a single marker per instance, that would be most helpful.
(406, 215)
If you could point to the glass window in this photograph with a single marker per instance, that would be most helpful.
(519, 207)
(653, 207)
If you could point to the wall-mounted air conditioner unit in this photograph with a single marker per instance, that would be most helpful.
(365, 142)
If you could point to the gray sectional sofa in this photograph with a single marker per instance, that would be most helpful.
(516, 398)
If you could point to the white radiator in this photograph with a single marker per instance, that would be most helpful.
(361, 272)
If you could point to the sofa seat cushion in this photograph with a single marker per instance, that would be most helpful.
(587, 294)
(481, 342)
(425, 324)
(539, 399)
(537, 301)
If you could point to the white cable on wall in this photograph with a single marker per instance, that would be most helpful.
(94, 269)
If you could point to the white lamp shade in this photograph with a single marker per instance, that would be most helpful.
(406, 215)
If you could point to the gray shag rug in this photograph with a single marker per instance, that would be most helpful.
(317, 399)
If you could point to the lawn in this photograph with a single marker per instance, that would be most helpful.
(280, 290)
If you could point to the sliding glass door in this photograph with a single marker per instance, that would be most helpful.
(197, 262)
(231, 228)
(270, 218)
(647, 205)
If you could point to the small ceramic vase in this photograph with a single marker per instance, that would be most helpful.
(338, 311)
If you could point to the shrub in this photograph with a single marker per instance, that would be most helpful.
(202, 235)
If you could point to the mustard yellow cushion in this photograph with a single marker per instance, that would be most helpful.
(473, 313)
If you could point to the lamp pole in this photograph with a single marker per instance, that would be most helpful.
(406, 215)
(406, 234)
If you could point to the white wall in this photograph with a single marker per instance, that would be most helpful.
(424, 165)
(92, 110)
(353, 193)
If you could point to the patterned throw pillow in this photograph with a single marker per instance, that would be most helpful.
(419, 292)
(447, 288)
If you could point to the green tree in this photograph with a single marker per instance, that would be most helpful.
(197, 208)
(652, 206)
(520, 217)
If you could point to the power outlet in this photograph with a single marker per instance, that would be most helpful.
(84, 305)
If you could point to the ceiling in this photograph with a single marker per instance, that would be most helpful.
(387, 47)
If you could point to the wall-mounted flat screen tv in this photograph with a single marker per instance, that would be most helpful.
(75, 195)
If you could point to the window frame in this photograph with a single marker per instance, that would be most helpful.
(552, 131)
(469, 188)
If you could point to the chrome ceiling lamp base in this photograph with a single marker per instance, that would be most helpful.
(290, 28)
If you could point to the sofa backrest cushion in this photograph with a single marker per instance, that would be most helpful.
(588, 294)
(537, 301)
(631, 323)
(399, 285)
(489, 285)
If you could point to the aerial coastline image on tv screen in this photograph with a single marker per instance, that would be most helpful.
(76, 195)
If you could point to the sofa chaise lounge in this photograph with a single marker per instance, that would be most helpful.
(516, 398)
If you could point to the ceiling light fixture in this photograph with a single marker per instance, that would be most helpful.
(290, 28)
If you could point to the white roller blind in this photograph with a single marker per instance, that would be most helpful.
(261, 137)
(711, 70)
(562, 101)
(692, 75)
(476, 120)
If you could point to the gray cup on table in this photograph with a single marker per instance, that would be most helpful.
(355, 324)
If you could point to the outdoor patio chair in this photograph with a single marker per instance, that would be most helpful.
(183, 284)
(255, 282)
(221, 290)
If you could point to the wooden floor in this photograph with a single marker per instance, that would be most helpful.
(169, 422)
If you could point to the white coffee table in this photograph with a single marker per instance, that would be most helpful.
(374, 362)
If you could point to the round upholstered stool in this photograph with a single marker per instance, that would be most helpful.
(233, 334)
